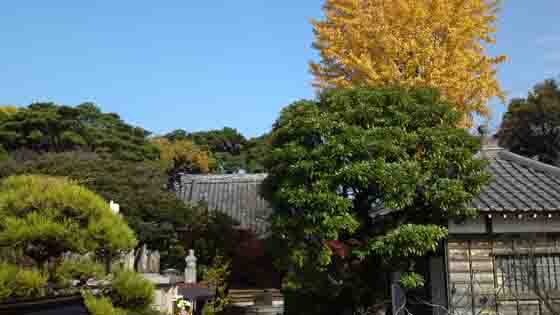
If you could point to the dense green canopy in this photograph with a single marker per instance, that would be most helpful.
(531, 126)
(43, 218)
(363, 182)
(47, 127)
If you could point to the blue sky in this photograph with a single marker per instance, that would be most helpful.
(200, 65)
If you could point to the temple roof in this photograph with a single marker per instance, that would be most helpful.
(235, 195)
(518, 184)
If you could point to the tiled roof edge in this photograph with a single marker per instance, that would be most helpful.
(536, 165)
(489, 151)
(229, 178)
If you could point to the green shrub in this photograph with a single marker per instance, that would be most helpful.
(82, 269)
(45, 216)
(101, 306)
(7, 279)
(30, 283)
(217, 275)
(132, 291)
(23, 283)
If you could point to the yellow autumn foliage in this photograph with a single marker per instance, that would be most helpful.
(8, 109)
(184, 155)
(420, 43)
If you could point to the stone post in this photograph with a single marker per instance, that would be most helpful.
(143, 259)
(190, 269)
(128, 260)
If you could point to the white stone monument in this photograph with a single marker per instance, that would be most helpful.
(128, 260)
(190, 269)
(143, 260)
(153, 261)
(115, 207)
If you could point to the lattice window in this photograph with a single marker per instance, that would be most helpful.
(526, 275)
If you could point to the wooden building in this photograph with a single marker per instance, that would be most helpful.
(507, 261)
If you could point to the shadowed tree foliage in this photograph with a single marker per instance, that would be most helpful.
(363, 182)
(255, 152)
(226, 140)
(531, 126)
(47, 127)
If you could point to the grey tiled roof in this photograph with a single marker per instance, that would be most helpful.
(519, 184)
(235, 195)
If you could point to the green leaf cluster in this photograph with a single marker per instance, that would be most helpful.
(81, 269)
(412, 280)
(217, 275)
(101, 305)
(530, 125)
(363, 182)
(21, 282)
(132, 291)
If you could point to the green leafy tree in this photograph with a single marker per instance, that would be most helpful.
(150, 209)
(45, 217)
(211, 234)
(226, 140)
(217, 275)
(47, 127)
(531, 125)
(183, 156)
(255, 151)
(231, 149)
(226, 145)
(363, 182)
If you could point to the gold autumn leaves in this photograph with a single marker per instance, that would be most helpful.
(184, 155)
(421, 43)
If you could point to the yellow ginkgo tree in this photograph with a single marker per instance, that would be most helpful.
(184, 156)
(421, 43)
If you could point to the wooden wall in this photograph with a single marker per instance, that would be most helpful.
(475, 283)
(471, 276)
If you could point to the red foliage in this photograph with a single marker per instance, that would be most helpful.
(339, 248)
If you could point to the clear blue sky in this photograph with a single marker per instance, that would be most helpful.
(200, 65)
